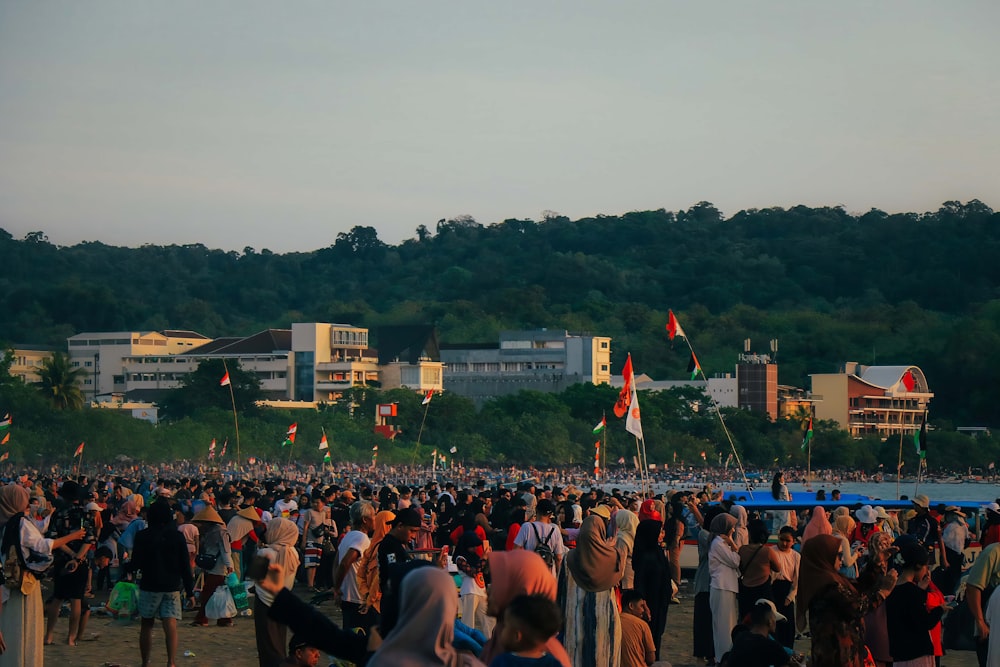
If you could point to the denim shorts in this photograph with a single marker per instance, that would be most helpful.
(154, 604)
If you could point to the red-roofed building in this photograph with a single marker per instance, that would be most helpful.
(867, 400)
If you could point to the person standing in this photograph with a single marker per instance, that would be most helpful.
(834, 607)
(954, 536)
(163, 569)
(281, 537)
(593, 622)
(70, 563)
(21, 616)
(214, 542)
(723, 568)
(785, 585)
(907, 617)
(542, 530)
(652, 576)
(345, 583)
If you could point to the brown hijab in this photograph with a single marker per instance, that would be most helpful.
(817, 572)
(597, 563)
(13, 500)
(514, 573)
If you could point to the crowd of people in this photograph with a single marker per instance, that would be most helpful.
(481, 573)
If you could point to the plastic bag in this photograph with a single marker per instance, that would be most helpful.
(221, 604)
(124, 598)
(238, 591)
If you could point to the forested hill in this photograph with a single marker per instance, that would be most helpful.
(831, 286)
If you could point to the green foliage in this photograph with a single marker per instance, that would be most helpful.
(200, 390)
(59, 382)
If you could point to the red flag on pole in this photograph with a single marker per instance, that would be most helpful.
(79, 450)
(225, 380)
(625, 395)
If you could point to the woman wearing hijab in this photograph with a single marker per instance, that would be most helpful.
(843, 526)
(652, 576)
(818, 524)
(593, 630)
(424, 634)
(626, 522)
(368, 575)
(723, 568)
(281, 537)
(516, 573)
(741, 535)
(835, 609)
(22, 624)
(880, 551)
(704, 644)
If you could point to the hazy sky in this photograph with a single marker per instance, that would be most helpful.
(279, 124)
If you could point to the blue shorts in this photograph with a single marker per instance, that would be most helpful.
(154, 604)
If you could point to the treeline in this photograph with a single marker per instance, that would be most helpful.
(529, 428)
(829, 285)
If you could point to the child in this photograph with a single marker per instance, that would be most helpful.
(638, 649)
(529, 622)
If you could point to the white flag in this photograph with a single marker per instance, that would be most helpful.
(633, 421)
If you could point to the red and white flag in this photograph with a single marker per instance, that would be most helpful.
(211, 450)
(674, 328)
(4, 456)
(79, 450)
(597, 458)
(225, 380)
(224, 444)
(427, 397)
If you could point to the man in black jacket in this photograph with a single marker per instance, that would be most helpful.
(163, 568)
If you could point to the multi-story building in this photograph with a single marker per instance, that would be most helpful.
(265, 354)
(27, 360)
(410, 357)
(101, 355)
(329, 359)
(879, 400)
(541, 360)
(757, 377)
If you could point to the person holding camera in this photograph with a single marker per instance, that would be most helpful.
(70, 562)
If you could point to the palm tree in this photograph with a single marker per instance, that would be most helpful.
(60, 381)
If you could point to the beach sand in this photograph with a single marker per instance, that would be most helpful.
(118, 642)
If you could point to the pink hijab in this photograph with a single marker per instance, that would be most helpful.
(519, 572)
(818, 524)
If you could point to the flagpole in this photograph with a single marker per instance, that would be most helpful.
(79, 464)
(899, 462)
(236, 421)
(604, 420)
(722, 421)
(427, 406)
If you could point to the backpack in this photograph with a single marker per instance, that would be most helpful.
(14, 566)
(542, 547)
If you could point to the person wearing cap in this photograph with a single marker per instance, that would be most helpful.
(214, 542)
(907, 618)
(301, 653)
(923, 526)
(754, 646)
(394, 547)
(955, 537)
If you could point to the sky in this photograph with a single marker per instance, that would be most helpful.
(279, 125)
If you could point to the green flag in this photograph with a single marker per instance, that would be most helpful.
(920, 438)
(808, 436)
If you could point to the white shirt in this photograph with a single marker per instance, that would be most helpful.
(34, 547)
(359, 541)
(284, 508)
(548, 532)
(723, 566)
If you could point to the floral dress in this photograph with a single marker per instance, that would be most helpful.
(836, 618)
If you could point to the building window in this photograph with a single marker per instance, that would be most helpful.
(604, 344)
(604, 368)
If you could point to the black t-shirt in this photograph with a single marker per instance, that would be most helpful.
(924, 527)
(390, 552)
(753, 650)
(69, 519)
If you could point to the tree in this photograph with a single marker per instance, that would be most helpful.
(201, 390)
(59, 382)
